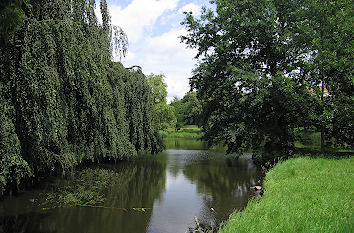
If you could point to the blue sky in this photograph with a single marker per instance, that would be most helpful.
(153, 29)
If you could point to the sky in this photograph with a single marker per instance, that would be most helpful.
(153, 29)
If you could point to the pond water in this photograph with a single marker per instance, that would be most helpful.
(184, 181)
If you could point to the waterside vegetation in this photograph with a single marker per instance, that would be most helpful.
(63, 101)
(87, 187)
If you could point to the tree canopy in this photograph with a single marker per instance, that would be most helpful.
(62, 99)
(261, 63)
(187, 110)
(158, 86)
(164, 113)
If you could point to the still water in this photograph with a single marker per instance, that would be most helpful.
(184, 181)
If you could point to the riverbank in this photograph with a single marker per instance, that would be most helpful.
(190, 131)
(302, 195)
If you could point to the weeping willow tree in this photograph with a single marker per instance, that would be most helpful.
(62, 99)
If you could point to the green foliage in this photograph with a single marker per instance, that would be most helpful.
(11, 19)
(260, 66)
(307, 137)
(70, 102)
(187, 110)
(164, 113)
(301, 195)
(13, 168)
(158, 86)
(330, 26)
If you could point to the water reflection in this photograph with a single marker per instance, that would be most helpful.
(29, 222)
(144, 183)
(178, 184)
(185, 144)
(224, 186)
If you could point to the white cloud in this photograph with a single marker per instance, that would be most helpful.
(153, 29)
(139, 16)
(191, 7)
(130, 56)
(165, 54)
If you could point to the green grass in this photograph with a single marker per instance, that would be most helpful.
(302, 195)
(189, 131)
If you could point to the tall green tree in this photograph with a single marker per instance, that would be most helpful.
(158, 87)
(330, 28)
(62, 99)
(187, 110)
(252, 74)
(264, 68)
(164, 113)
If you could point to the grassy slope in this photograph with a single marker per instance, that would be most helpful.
(302, 195)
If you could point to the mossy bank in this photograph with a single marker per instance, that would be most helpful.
(302, 195)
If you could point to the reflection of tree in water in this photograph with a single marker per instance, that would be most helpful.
(190, 144)
(224, 187)
(143, 183)
(185, 144)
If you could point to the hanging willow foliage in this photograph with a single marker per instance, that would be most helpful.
(62, 100)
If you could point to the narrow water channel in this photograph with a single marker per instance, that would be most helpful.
(184, 181)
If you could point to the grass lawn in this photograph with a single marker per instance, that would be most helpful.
(189, 131)
(302, 195)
